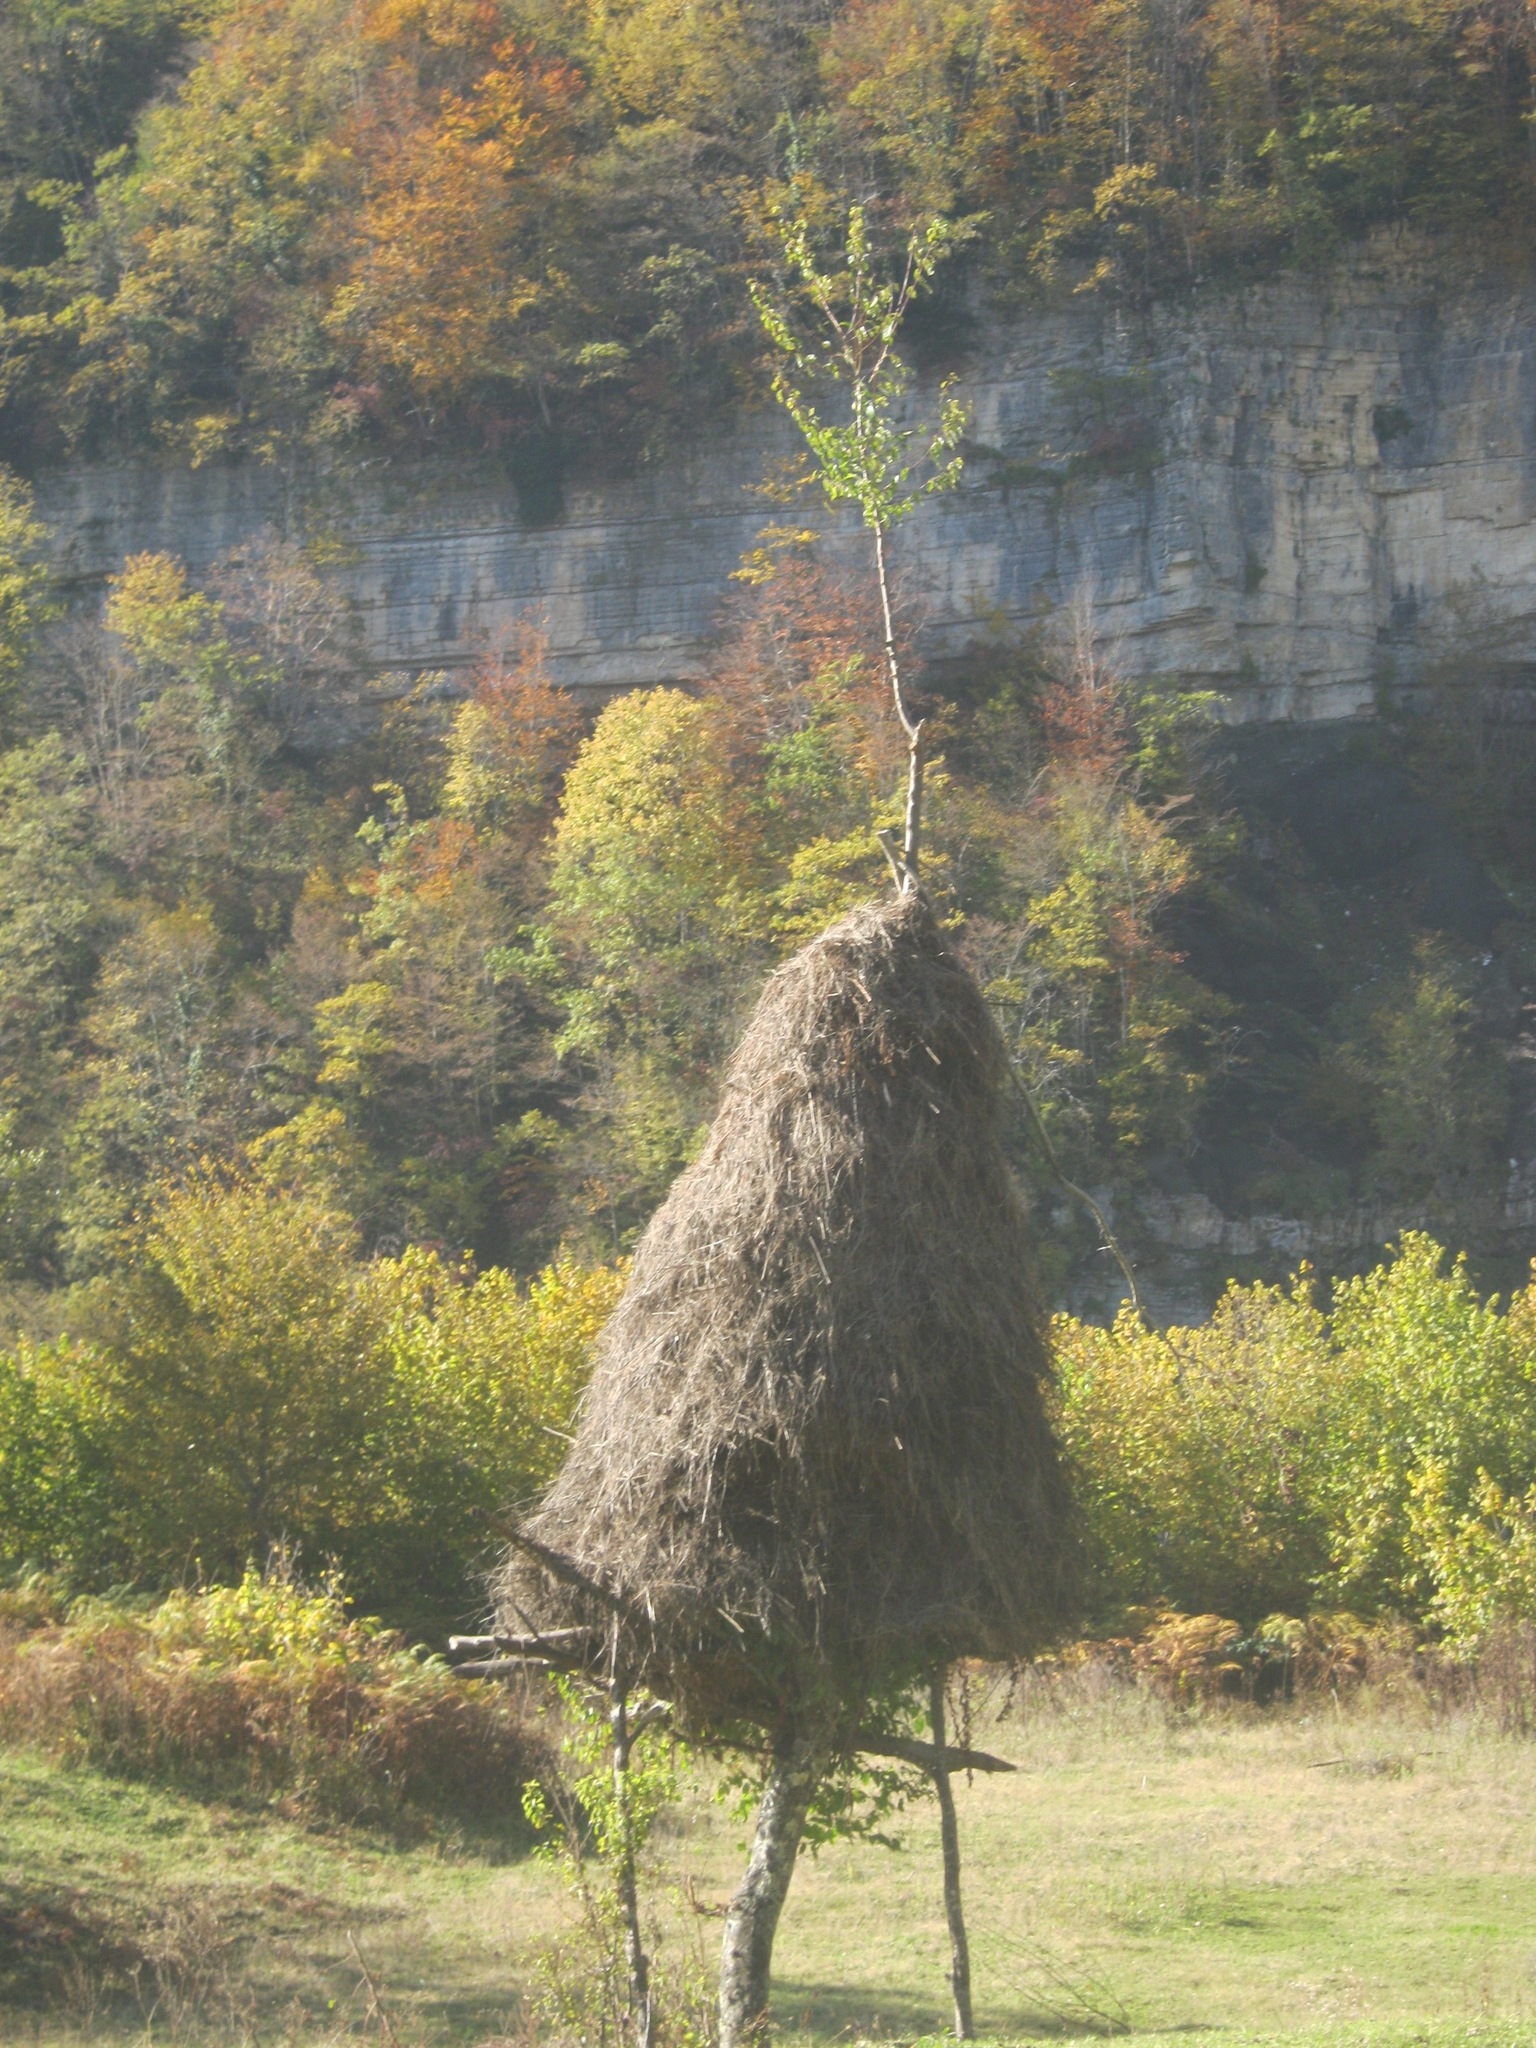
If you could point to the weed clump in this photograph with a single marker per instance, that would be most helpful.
(267, 1693)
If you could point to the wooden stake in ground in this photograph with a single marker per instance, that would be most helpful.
(752, 1921)
(949, 1836)
(641, 2006)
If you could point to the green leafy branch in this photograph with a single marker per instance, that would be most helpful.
(869, 458)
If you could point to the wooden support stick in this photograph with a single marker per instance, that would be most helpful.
(567, 1571)
(524, 1646)
(928, 1756)
(949, 1836)
(506, 1667)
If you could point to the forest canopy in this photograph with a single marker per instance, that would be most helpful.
(302, 227)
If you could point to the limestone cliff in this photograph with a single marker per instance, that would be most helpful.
(1289, 493)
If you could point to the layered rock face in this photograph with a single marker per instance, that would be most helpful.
(1293, 494)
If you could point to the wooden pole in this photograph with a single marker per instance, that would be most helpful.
(642, 2007)
(949, 1835)
(752, 1920)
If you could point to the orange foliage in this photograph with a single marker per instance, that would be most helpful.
(805, 642)
(452, 147)
(511, 745)
(1083, 709)
(1085, 724)
(538, 724)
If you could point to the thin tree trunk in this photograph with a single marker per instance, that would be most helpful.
(641, 2005)
(746, 1958)
(913, 827)
(949, 1835)
(913, 728)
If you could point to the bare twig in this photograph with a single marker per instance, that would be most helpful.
(1043, 1136)
(892, 852)
(377, 2010)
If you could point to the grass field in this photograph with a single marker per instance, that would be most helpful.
(1365, 1880)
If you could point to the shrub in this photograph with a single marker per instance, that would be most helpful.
(268, 1693)
(254, 1389)
(484, 1377)
(1196, 1454)
(243, 1376)
(1379, 1456)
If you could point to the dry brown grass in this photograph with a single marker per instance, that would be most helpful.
(344, 1723)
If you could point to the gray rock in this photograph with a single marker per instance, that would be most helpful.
(1293, 494)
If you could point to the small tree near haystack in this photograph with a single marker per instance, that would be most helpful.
(870, 459)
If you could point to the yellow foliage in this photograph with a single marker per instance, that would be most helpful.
(1197, 1451)
(492, 1371)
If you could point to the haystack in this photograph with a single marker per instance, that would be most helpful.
(815, 1437)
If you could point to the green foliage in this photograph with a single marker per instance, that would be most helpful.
(1434, 1098)
(483, 1378)
(610, 1814)
(1438, 1379)
(52, 904)
(595, 1821)
(1482, 1561)
(24, 602)
(243, 1356)
(874, 462)
(56, 1481)
(1117, 1039)
(1376, 1456)
(1198, 1452)
(653, 875)
(382, 1416)
(655, 925)
(858, 1795)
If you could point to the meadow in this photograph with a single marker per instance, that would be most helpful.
(1321, 1875)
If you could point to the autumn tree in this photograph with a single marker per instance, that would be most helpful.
(656, 923)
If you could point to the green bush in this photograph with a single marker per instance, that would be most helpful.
(250, 1389)
(1378, 1455)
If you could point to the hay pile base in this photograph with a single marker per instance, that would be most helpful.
(815, 1433)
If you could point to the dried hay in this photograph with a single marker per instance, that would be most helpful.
(815, 1435)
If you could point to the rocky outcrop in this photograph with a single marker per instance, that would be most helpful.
(1291, 494)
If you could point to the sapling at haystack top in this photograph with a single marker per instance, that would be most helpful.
(871, 459)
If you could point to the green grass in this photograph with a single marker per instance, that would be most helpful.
(1312, 1881)
(120, 1904)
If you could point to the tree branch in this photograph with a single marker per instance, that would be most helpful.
(537, 1644)
(568, 1573)
(908, 1751)
(1043, 1137)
